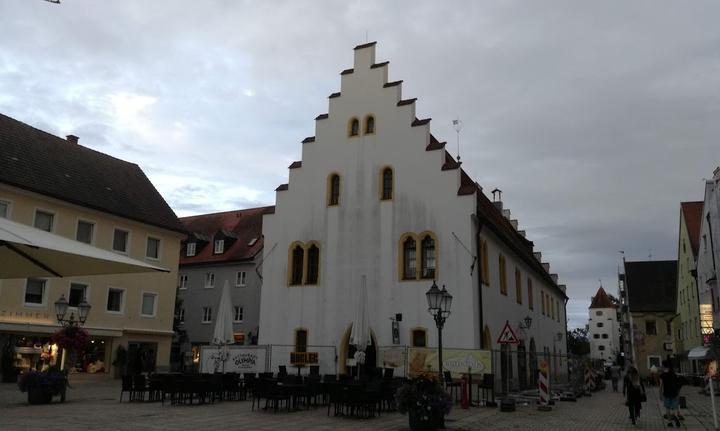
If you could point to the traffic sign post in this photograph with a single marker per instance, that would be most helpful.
(507, 336)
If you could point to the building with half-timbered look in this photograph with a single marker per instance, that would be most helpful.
(377, 199)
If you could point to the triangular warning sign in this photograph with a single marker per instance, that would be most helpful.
(507, 336)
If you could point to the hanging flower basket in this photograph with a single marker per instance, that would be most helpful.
(72, 337)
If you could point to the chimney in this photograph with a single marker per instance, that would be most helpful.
(546, 266)
(538, 256)
(514, 224)
(506, 214)
(554, 278)
(497, 199)
(522, 232)
(563, 287)
(716, 174)
(72, 139)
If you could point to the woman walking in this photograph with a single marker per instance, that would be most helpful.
(634, 392)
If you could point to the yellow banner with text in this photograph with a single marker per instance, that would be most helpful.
(456, 361)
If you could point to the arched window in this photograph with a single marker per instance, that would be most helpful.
(369, 125)
(313, 262)
(387, 184)
(427, 250)
(409, 258)
(334, 190)
(354, 127)
(419, 337)
(296, 265)
(301, 337)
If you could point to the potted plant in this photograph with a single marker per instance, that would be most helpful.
(119, 362)
(425, 401)
(42, 386)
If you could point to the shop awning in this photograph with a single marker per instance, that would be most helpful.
(698, 353)
(29, 252)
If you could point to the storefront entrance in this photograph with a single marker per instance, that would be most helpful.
(141, 357)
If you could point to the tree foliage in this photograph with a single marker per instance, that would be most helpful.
(578, 342)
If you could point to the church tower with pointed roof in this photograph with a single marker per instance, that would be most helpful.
(603, 328)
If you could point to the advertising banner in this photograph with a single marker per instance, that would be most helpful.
(454, 360)
(236, 359)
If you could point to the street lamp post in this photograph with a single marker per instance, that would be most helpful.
(439, 302)
(61, 308)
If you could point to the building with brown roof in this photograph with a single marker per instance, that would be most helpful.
(603, 327)
(221, 248)
(689, 325)
(65, 188)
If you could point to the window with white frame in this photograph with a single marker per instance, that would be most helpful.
(209, 280)
(238, 314)
(85, 231)
(4, 209)
(115, 300)
(241, 278)
(152, 250)
(149, 304)
(219, 246)
(78, 293)
(183, 281)
(44, 220)
(120, 240)
(35, 291)
(207, 315)
(190, 249)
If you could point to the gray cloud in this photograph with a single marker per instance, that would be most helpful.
(595, 118)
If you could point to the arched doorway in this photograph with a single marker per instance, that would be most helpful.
(522, 365)
(533, 363)
(347, 351)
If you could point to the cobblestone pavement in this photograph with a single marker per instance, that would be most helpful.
(93, 405)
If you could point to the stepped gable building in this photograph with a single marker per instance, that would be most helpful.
(689, 326)
(377, 201)
(603, 327)
(651, 287)
(60, 186)
(220, 247)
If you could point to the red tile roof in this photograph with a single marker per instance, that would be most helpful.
(601, 300)
(692, 212)
(244, 225)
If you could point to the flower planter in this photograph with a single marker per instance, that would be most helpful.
(419, 422)
(39, 397)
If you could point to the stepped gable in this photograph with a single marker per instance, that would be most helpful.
(601, 300)
(467, 186)
(242, 225)
(39, 162)
(692, 213)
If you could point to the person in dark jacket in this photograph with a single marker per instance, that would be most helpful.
(670, 389)
(634, 392)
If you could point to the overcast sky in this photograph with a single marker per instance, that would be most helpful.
(596, 119)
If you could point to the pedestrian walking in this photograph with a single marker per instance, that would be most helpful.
(615, 376)
(670, 389)
(634, 392)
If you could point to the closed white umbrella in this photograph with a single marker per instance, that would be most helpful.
(29, 252)
(360, 333)
(223, 334)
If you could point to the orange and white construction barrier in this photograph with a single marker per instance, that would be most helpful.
(543, 387)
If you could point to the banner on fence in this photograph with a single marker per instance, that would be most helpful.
(237, 359)
(456, 361)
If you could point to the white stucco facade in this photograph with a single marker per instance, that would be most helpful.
(604, 333)
(360, 237)
(708, 258)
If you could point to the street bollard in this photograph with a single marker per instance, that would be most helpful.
(543, 388)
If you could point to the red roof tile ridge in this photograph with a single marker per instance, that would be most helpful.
(601, 300)
(243, 210)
